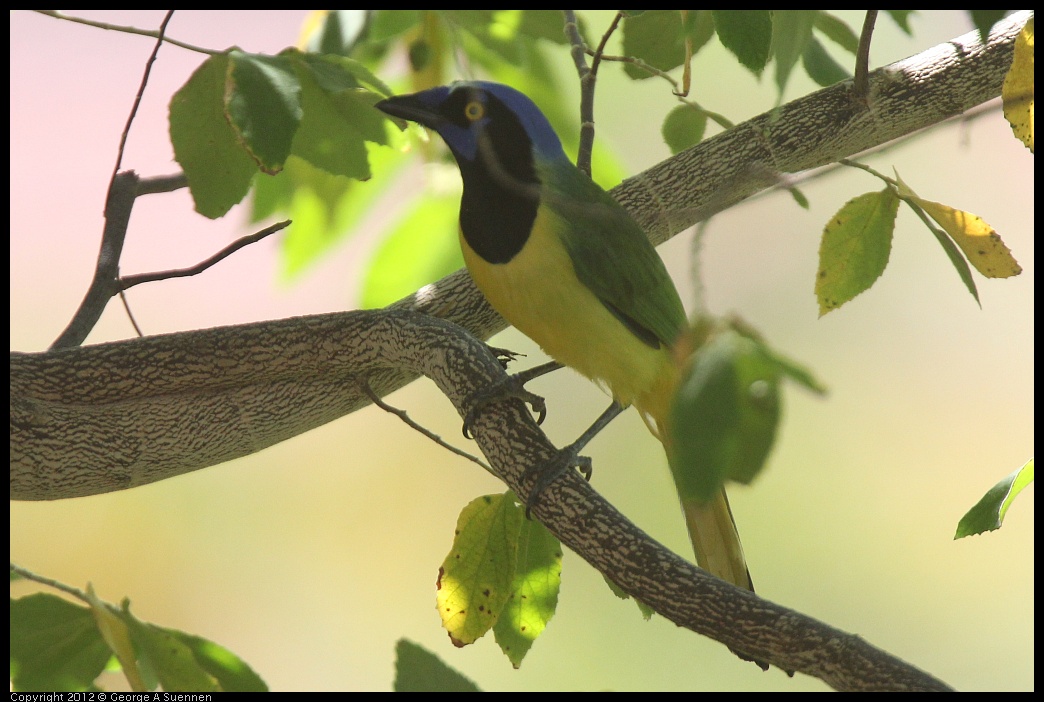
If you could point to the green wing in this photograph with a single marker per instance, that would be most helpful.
(612, 256)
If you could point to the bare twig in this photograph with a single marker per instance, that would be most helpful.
(119, 202)
(364, 385)
(141, 91)
(130, 281)
(50, 582)
(126, 30)
(587, 76)
(118, 206)
(162, 184)
(601, 45)
(130, 315)
(579, 49)
(861, 88)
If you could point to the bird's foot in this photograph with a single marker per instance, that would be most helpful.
(544, 473)
(512, 386)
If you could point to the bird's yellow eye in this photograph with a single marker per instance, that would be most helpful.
(474, 111)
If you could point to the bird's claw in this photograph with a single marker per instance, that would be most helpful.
(505, 356)
(546, 472)
(502, 390)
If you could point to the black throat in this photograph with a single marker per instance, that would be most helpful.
(501, 194)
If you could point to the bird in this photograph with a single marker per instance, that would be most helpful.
(568, 266)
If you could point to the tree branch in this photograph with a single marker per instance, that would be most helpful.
(216, 390)
(818, 129)
(667, 198)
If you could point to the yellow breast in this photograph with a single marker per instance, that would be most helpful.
(539, 293)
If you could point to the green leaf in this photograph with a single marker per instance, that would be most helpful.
(855, 247)
(335, 32)
(229, 670)
(658, 38)
(474, 582)
(790, 368)
(534, 596)
(684, 127)
(985, 19)
(421, 249)
(206, 146)
(363, 75)
(419, 670)
(821, 66)
(799, 197)
(645, 610)
(337, 119)
(724, 416)
(988, 513)
(837, 31)
(902, 19)
(747, 34)
(117, 637)
(953, 253)
(539, 24)
(388, 24)
(500, 39)
(168, 658)
(55, 645)
(263, 103)
(316, 202)
(791, 34)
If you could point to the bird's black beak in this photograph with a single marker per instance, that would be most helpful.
(414, 108)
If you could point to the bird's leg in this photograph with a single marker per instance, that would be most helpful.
(512, 386)
(545, 473)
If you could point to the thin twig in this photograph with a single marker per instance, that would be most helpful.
(601, 45)
(49, 582)
(579, 48)
(119, 201)
(118, 205)
(586, 146)
(127, 30)
(678, 90)
(861, 87)
(791, 181)
(687, 66)
(130, 281)
(161, 184)
(130, 315)
(364, 385)
(141, 91)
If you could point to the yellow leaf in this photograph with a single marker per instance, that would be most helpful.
(1017, 92)
(980, 242)
(475, 580)
(117, 636)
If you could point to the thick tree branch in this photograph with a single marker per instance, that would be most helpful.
(211, 391)
(667, 198)
(818, 129)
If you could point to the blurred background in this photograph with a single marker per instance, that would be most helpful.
(313, 557)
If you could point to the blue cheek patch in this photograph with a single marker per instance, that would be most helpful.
(463, 142)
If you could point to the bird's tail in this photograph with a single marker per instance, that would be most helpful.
(712, 529)
(716, 541)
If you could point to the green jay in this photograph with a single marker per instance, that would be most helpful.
(563, 262)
